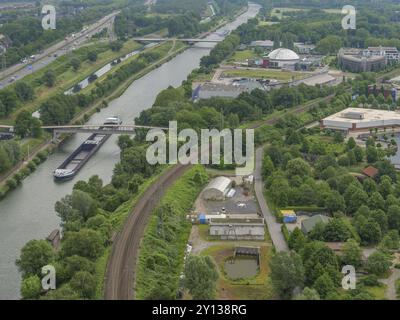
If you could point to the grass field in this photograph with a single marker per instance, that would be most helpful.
(257, 288)
(241, 56)
(280, 12)
(264, 74)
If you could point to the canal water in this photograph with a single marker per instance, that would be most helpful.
(28, 212)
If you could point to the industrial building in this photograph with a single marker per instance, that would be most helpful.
(217, 189)
(265, 44)
(209, 90)
(303, 48)
(358, 60)
(282, 58)
(352, 119)
(238, 229)
(390, 53)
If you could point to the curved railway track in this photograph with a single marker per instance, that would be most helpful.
(120, 273)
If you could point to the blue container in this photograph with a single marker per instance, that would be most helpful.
(289, 219)
(202, 219)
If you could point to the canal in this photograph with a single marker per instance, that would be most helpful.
(28, 212)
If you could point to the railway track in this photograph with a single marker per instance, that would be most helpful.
(120, 273)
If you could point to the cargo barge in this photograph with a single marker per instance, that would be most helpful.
(77, 159)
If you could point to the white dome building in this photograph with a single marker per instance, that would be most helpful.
(282, 57)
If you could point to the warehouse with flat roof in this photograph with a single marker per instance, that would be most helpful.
(352, 119)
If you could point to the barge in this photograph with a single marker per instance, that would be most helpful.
(77, 159)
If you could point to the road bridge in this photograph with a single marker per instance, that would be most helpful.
(92, 128)
(177, 39)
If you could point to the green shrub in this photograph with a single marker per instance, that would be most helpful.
(42, 155)
(11, 183)
(37, 160)
(32, 166)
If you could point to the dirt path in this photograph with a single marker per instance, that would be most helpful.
(391, 284)
(120, 273)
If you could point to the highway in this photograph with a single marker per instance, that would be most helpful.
(50, 54)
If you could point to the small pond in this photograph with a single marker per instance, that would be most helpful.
(241, 267)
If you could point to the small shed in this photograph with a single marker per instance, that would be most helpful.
(370, 171)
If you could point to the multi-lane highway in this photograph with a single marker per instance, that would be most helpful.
(50, 54)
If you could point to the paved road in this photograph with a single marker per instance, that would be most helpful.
(20, 70)
(120, 273)
(274, 227)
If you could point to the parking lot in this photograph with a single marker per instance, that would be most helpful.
(242, 202)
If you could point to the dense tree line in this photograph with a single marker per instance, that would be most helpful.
(374, 27)
(10, 155)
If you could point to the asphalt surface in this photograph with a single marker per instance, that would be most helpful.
(274, 228)
(50, 54)
(120, 273)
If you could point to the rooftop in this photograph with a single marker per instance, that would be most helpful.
(370, 171)
(309, 224)
(237, 221)
(366, 115)
(283, 54)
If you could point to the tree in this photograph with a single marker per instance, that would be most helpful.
(334, 201)
(63, 293)
(75, 263)
(376, 201)
(391, 241)
(297, 240)
(49, 78)
(368, 229)
(378, 263)
(308, 294)
(324, 285)
(31, 287)
(267, 166)
(92, 56)
(86, 243)
(393, 214)
(351, 143)
(319, 259)
(336, 230)
(330, 44)
(200, 277)
(358, 153)
(338, 137)
(351, 253)
(26, 124)
(35, 254)
(116, 45)
(9, 101)
(75, 64)
(354, 197)
(287, 272)
(24, 91)
(298, 167)
(84, 284)
(372, 154)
